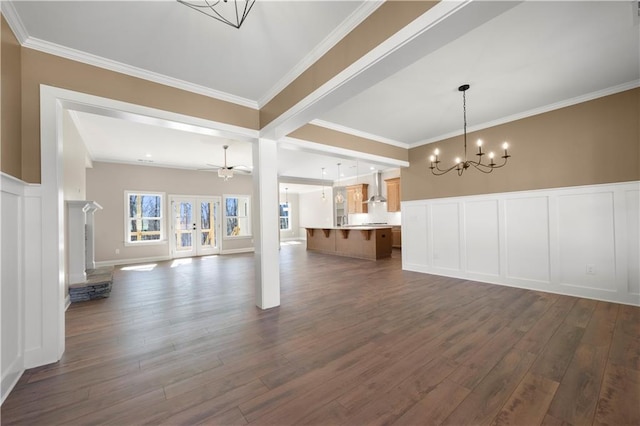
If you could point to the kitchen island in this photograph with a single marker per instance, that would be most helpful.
(363, 242)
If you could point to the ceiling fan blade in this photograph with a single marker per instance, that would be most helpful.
(244, 172)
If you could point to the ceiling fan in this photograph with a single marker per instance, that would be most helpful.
(226, 172)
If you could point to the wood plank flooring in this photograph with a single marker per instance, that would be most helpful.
(355, 342)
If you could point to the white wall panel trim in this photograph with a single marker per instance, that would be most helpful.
(579, 241)
(11, 267)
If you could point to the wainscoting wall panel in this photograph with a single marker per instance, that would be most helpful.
(586, 240)
(581, 241)
(415, 249)
(482, 237)
(633, 248)
(527, 238)
(446, 236)
(12, 355)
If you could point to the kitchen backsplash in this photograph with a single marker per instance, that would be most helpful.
(377, 214)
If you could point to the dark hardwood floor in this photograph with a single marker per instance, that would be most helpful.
(355, 342)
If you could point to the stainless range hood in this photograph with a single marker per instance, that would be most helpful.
(377, 194)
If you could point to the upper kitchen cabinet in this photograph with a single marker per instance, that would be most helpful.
(356, 206)
(393, 194)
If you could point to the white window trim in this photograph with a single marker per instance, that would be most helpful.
(224, 217)
(163, 207)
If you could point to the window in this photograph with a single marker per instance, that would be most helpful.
(285, 223)
(145, 222)
(237, 219)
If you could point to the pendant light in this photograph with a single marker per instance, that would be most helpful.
(339, 195)
(357, 195)
(324, 197)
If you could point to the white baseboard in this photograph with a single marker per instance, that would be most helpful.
(115, 262)
(236, 251)
(9, 380)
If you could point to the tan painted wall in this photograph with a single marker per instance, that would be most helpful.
(331, 137)
(10, 134)
(41, 68)
(106, 183)
(589, 143)
(379, 26)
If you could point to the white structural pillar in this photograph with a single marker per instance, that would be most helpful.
(80, 234)
(76, 221)
(266, 233)
(90, 238)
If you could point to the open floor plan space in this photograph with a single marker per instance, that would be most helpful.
(354, 342)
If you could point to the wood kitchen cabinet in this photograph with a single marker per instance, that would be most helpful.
(396, 237)
(393, 194)
(354, 206)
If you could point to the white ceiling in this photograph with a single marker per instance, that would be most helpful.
(533, 57)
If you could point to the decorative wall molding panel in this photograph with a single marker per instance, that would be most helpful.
(12, 296)
(580, 241)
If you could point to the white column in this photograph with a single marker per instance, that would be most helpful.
(76, 221)
(265, 223)
(90, 249)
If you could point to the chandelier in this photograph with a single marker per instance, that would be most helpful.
(232, 12)
(461, 165)
(339, 195)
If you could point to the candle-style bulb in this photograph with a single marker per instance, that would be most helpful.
(432, 158)
(457, 160)
(491, 155)
(436, 151)
(505, 146)
(479, 143)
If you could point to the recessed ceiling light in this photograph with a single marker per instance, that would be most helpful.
(372, 168)
(148, 155)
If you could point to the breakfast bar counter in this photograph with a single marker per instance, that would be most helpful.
(363, 242)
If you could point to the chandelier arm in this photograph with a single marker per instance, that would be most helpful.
(439, 172)
(219, 17)
(484, 168)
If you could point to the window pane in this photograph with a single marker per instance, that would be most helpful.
(150, 237)
(205, 216)
(232, 226)
(151, 225)
(151, 206)
(133, 200)
(284, 223)
(231, 207)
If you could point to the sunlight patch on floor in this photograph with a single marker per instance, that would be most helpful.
(291, 243)
(140, 268)
(181, 262)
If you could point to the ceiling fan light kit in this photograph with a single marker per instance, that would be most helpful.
(460, 165)
(232, 13)
(226, 172)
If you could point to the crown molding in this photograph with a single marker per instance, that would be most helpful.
(535, 111)
(348, 25)
(13, 19)
(358, 133)
(97, 61)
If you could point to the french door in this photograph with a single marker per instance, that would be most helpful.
(195, 226)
